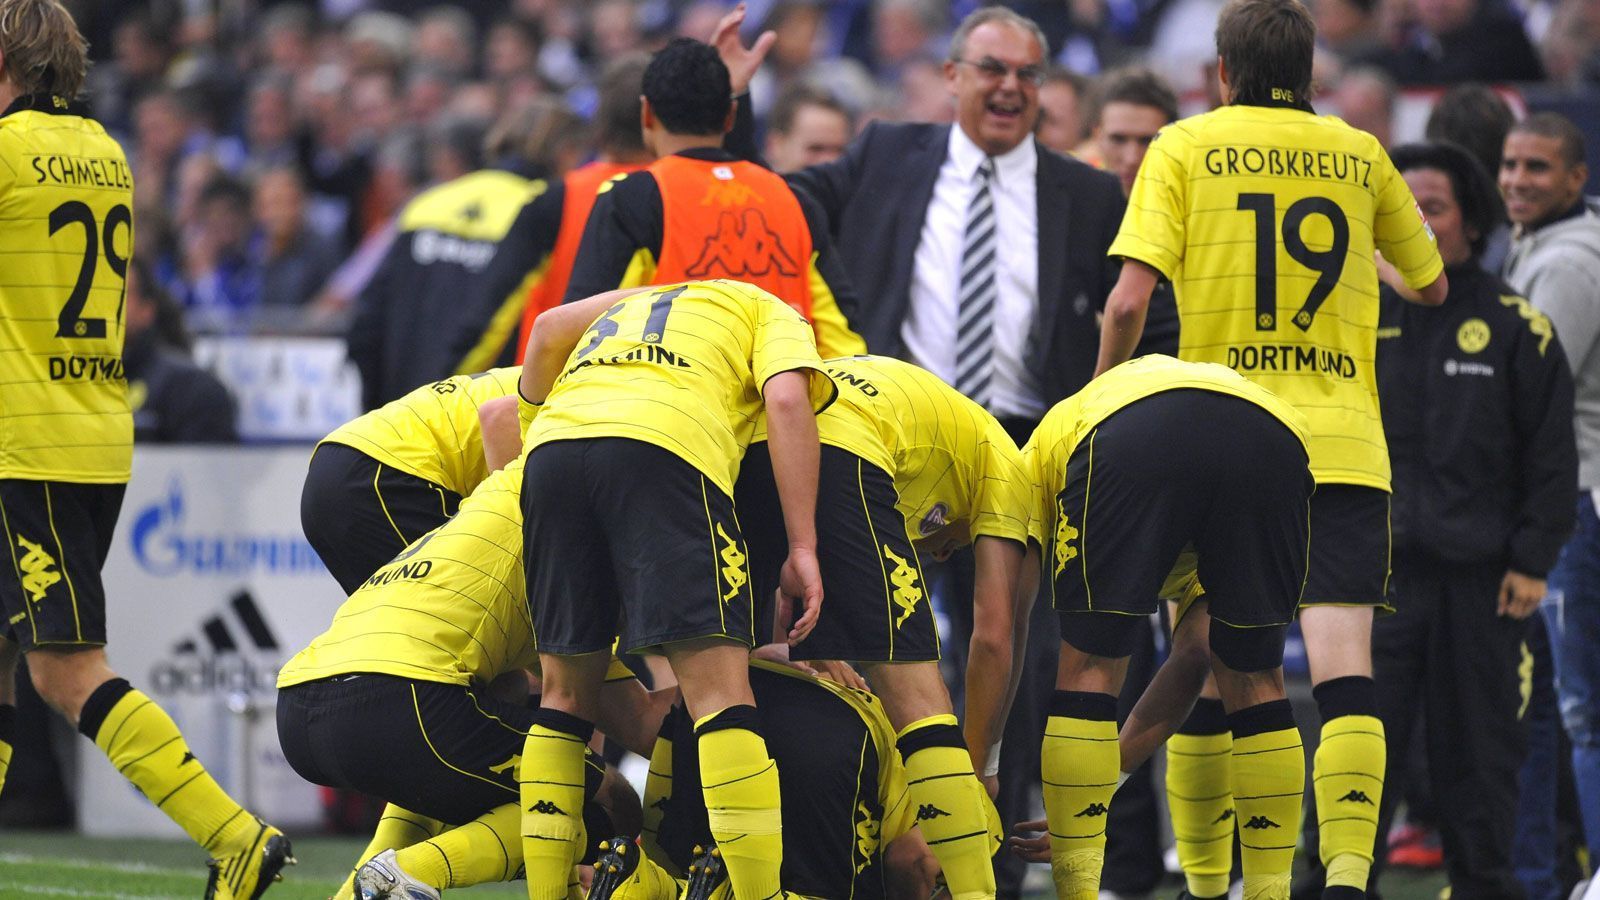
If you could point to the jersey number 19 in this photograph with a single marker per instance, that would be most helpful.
(1328, 264)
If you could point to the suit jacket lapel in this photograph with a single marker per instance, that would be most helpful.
(1054, 212)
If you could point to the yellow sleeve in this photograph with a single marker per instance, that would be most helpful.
(835, 338)
(784, 343)
(1152, 229)
(1005, 490)
(526, 410)
(1399, 229)
(641, 271)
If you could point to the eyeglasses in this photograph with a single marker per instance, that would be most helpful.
(996, 70)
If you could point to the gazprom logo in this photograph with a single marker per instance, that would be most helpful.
(163, 546)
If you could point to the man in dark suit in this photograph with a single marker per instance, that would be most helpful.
(980, 255)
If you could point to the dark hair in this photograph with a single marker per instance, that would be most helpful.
(616, 117)
(1267, 46)
(227, 189)
(1475, 118)
(169, 324)
(1059, 74)
(1559, 127)
(1138, 86)
(687, 86)
(1469, 181)
(797, 97)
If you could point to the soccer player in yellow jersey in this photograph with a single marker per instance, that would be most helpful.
(1266, 218)
(66, 438)
(384, 479)
(394, 699)
(650, 399)
(910, 464)
(1116, 507)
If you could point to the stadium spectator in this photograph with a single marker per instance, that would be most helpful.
(174, 401)
(1063, 98)
(1365, 99)
(1555, 263)
(1350, 29)
(1453, 41)
(902, 32)
(1477, 408)
(1475, 118)
(141, 52)
(295, 261)
(221, 282)
(444, 41)
(698, 212)
(269, 130)
(806, 127)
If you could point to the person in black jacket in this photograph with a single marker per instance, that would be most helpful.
(1477, 405)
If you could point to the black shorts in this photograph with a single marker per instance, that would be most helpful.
(875, 601)
(58, 533)
(1350, 544)
(1178, 469)
(625, 539)
(359, 513)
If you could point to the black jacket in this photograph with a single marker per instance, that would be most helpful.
(175, 401)
(1477, 407)
(876, 198)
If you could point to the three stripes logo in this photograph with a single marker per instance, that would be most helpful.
(234, 649)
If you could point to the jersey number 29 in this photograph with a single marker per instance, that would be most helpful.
(1328, 264)
(71, 322)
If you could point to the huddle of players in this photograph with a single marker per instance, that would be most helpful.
(636, 412)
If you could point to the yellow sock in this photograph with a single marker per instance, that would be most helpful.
(657, 794)
(740, 783)
(1347, 774)
(551, 775)
(1269, 777)
(8, 734)
(397, 828)
(143, 742)
(1200, 799)
(1079, 762)
(950, 804)
(483, 851)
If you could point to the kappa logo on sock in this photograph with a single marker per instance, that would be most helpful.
(1356, 796)
(39, 570)
(548, 808)
(929, 811)
(187, 758)
(1260, 823)
(1092, 810)
(1226, 815)
(661, 803)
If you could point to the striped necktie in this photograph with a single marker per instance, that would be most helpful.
(975, 323)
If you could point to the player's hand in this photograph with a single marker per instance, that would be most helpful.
(840, 672)
(800, 582)
(1031, 849)
(991, 783)
(742, 61)
(1520, 595)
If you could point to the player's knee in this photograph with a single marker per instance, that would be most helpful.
(1257, 649)
(1104, 634)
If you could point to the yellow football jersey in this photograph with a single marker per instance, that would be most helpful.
(451, 608)
(1068, 422)
(432, 432)
(950, 460)
(681, 367)
(1265, 220)
(66, 223)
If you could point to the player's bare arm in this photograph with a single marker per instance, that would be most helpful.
(1125, 312)
(554, 335)
(792, 442)
(1432, 295)
(990, 655)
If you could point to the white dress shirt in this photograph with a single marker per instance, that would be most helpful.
(930, 326)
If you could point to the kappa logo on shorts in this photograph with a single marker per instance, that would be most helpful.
(1065, 552)
(732, 566)
(904, 578)
(868, 835)
(39, 570)
(509, 767)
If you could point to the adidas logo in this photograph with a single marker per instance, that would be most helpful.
(1357, 797)
(929, 811)
(235, 650)
(548, 808)
(1226, 815)
(1092, 810)
(1260, 823)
